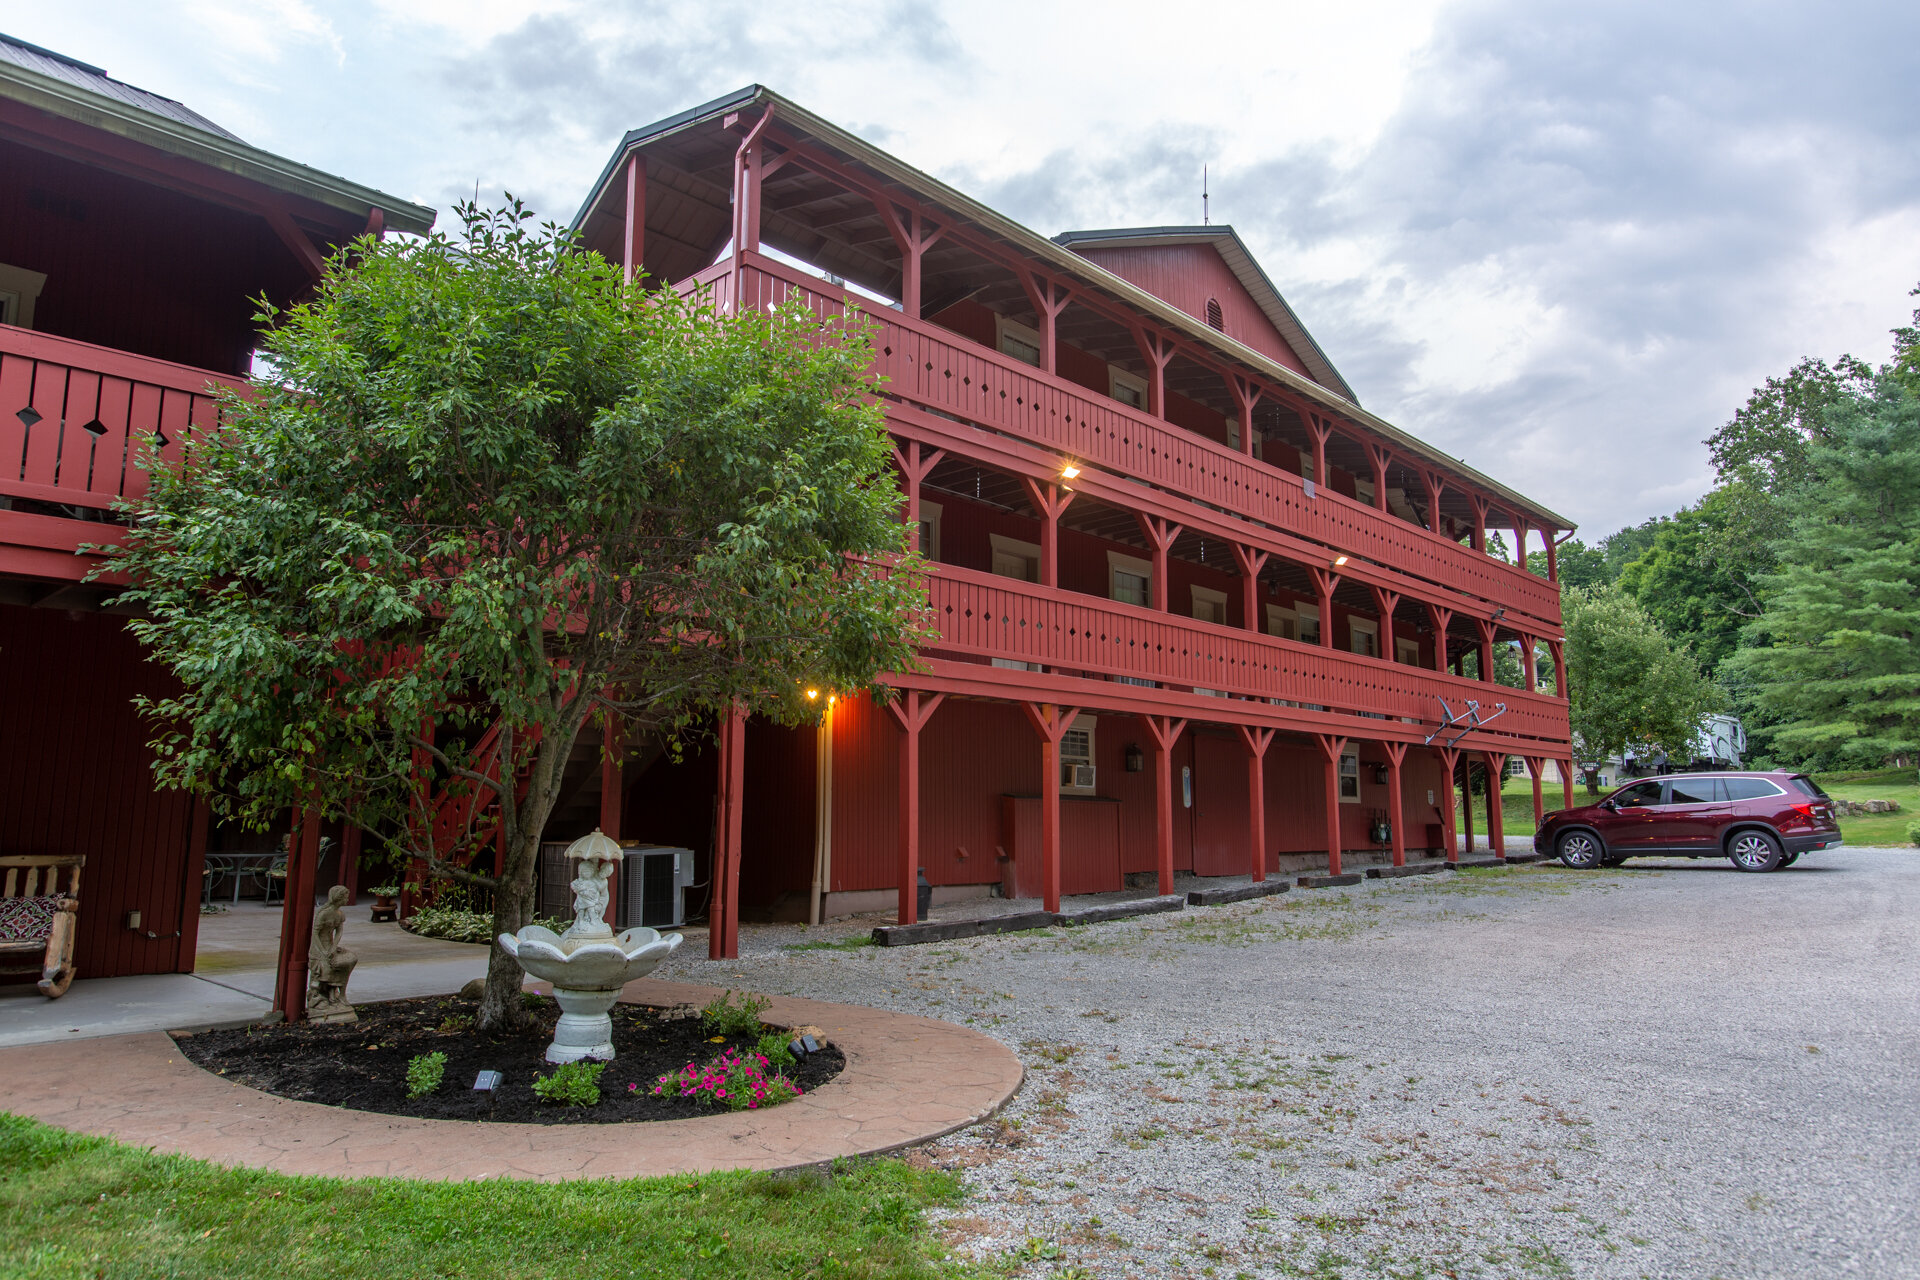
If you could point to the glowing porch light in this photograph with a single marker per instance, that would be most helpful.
(1069, 472)
(1338, 561)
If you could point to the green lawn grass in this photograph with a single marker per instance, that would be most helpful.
(1899, 785)
(74, 1206)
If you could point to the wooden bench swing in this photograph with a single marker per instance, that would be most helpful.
(37, 919)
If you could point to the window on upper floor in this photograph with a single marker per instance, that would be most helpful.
(1127, 388)
(1017, 340)
(1216, 319)
(1309, 623)
(1363, 636)
(1350, 776)
(1283, 622)
(1129, 580)
(19, 290)
(1363, 491)
(1209, 605)
(1407, 651)
(929, 529)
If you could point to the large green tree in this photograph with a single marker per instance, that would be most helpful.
(1685, 582)
(1631, 687)
(1835, 665)
(489, 486)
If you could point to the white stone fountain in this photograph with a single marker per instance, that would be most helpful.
(588, 964)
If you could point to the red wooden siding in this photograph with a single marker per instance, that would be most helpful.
(75, 779)
(1187, 275)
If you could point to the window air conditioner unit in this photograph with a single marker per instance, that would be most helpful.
(652, 878)
(1080, 775)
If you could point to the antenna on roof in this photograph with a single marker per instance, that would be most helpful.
(1205, 219)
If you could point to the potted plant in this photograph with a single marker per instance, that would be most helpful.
(385, 909)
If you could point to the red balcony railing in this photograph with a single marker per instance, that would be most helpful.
(930, 366)
(984, 616)
(74, 417)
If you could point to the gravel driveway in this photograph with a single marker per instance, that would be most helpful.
(1667, 1070)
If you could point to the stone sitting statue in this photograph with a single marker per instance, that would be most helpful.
(329, 963)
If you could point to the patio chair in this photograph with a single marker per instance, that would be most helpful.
(37, 919)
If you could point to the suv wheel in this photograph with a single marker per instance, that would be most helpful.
(1580, 850)
(1756, 851)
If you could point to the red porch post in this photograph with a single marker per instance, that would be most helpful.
(914, 239)
(1496, 763)
(1479, 522)
(1160, 535)
(1049, 499)
(1324, 581)
(633, 243)
(1331, 749)
(1566, 784)
(1396, 753)
(1321, 429)
(912, 715)
(1049, 299)
(1245, 395)
(296, 916)
(612, 753)
(1165, 731)
(1386, 601)
(1442, 619)
(1449, 761)
(1466, 798)
(1436, 484)
(1379, 455)
(1251, 561)
(723, 915)
(1558, 649)
(1520, 531)
(1158, 352)
(1256, 741)
(1486, 628)
(1553, 555)
(1051, 723)
(1537, 765)
(746, 185)
(914, 460)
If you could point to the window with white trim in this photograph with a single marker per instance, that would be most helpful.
(1209, 605)
(1077, 774)
(1129, 579)
(1127, 388)
(19, 290)
(1283, 622)
(1407, 651)
(1350, 776)
(1017, 340)
(1363, 491)
(1013, 558)
(1363, 636)
(1309, 623)
(929, 529)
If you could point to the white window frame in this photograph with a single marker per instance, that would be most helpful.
(1029, 552)
(1350, 756)
(930, 529)
(1357, 627)
(1087, 723)
(1281, 620)
(1118, 563)
(1233, 433)
(1209, 597)
(1118, 378)
(1406, 652)
(1304, 614)
(1004, 329)
(19, 290)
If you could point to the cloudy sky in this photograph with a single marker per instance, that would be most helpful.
(1561, 241)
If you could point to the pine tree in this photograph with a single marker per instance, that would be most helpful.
(1836, 666)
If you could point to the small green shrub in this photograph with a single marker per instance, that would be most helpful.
(532, 1000)
(424, 1074)
(457, 924)
(1913, 833)
(729, 1017)
(572, 1084)
(773, 1047)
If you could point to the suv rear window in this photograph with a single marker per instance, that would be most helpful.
(1808, 785)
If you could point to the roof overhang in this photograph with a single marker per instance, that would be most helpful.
(797, 120)
(70, 102)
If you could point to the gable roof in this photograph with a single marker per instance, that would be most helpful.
(1239, 259)
(80, 92)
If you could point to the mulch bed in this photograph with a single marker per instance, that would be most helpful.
(363, 1065)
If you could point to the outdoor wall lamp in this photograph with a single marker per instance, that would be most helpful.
(1338, 561)
(1380, 775)
(1069, 472)
(1136, 758)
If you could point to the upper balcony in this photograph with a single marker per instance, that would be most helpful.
(74, 420)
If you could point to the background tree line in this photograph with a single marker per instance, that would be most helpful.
(1788, 595)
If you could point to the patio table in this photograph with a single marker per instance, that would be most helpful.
(238, 866)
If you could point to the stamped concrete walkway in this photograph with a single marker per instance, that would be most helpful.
(907, 1080)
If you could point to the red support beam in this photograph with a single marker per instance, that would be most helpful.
(1165, 731)
(1537, 765)
(1479, 522)
(1566, 783)
(1324, 582)
(633, 241)
(1321, 428)
(1246, 394)
(1256, 741)
(1386, 602)
(1331, 749)
(1396, 754)
(296, 916)
(723, 915)
(1049, 298)
(1379, 455)
(746, 184)
(1558, 648)
(1449, 765)
(1496, 763)
(1051, 723)
(1158, 351)
(1049, 500)
(915, 461)
(912, 709)
(1520, 531)
(1160, 535)
(1486, 628)
(914, 235)
(1442, 619)
(1553, 555)
(1466, 799)
(1436, 484)
(1251, 560)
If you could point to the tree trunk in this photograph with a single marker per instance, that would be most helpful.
(500, 1007)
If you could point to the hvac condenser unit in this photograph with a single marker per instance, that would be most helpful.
(652, 878)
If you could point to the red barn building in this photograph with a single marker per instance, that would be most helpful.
(1197, 609)
(135, 236)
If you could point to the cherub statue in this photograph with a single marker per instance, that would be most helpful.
(329, 963)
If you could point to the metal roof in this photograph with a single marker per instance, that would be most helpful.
(799, 120)
(1239, 259)
(75, 90)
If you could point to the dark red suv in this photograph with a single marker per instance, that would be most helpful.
(1761, 821)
